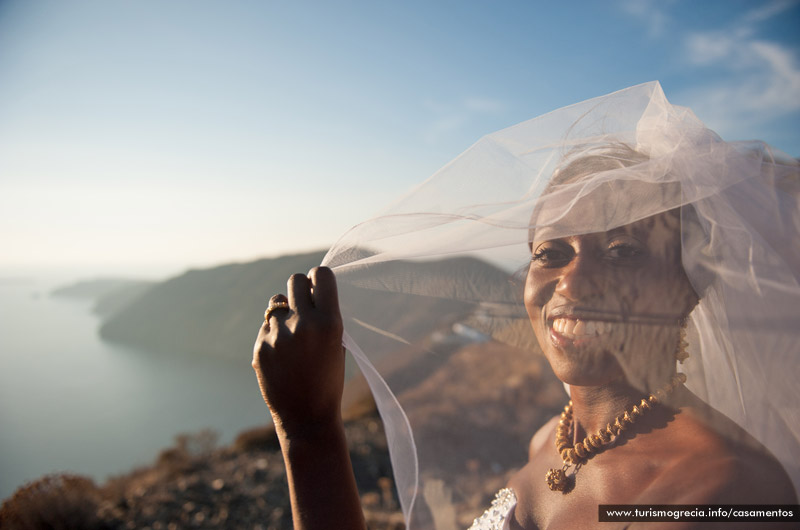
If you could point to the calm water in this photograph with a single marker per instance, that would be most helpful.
(70, 402)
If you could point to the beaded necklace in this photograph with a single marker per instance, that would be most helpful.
(557, 479)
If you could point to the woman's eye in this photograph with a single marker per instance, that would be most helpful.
(549, 255)
(624, 251)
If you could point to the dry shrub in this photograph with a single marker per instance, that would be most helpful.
(200, 443)
(257, 439)
(54, 502)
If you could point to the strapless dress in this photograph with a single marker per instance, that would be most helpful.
(499, 514)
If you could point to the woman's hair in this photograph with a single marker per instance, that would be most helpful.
(582, 161)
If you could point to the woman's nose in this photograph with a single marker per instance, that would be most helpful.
(580, 280)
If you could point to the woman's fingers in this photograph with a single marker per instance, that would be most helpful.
(278, 299)
(325, 294)
(299, 288)
(277, 304)
(317, 290)
(298, 357)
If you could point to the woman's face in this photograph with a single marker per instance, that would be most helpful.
(608, 305)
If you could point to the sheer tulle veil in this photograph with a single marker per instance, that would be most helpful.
(431, 288)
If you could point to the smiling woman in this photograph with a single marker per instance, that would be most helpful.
(662, 289)
(609, 310)
(605, 299)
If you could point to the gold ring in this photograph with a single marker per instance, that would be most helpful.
(272, 307)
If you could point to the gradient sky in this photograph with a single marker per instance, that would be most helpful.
(141, 138)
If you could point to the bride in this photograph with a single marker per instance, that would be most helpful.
(653, 244)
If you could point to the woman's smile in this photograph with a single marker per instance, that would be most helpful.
(574, 328)
(580, 337)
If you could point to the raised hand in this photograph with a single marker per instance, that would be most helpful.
(298, 355)
(299, 360)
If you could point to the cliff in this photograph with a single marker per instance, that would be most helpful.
(214, 311)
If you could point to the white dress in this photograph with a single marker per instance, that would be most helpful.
(499, 514)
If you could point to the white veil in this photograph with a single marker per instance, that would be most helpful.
(431, 294)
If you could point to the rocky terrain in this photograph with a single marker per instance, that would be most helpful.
(195, 485)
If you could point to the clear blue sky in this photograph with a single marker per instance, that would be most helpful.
(146, 137)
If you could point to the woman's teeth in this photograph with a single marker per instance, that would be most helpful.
(574, 329)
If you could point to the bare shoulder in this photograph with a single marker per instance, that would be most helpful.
(743, 475)
(721, 463)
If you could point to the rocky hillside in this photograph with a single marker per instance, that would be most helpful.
(213, 311)
(196, 485)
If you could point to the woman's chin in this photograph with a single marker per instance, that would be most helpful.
(575, 378)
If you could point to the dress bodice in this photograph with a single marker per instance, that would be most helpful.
(499, 513)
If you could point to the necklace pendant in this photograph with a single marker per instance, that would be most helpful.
(556, 480)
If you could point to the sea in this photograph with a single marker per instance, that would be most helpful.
(72, 403)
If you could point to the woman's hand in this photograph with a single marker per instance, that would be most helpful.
(299, 358)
